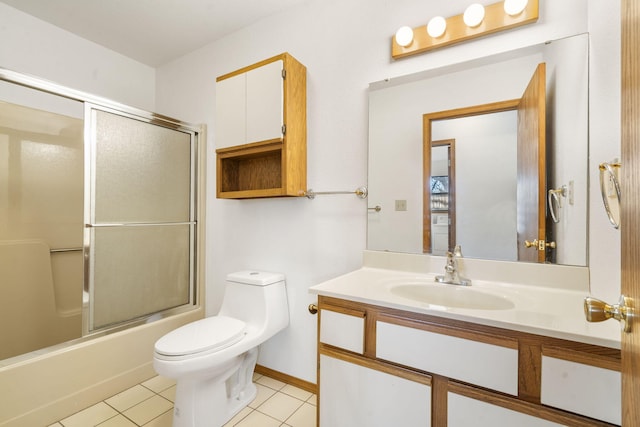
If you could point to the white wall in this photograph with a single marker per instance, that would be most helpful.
(345, 45)
(31, 46)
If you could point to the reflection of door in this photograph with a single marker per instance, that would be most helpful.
(630, 204)
(531, 199)
(443, 201)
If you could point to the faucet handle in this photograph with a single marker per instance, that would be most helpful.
(457, 251)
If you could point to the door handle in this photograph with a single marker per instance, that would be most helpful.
(541, 245)
(596, 310)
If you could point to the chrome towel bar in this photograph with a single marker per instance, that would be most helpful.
(361, 192)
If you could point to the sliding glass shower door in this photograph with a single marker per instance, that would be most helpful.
(140, 206)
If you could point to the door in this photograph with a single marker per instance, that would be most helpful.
(630, 207)
(531, 200)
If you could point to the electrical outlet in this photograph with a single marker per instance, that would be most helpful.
(401, 205)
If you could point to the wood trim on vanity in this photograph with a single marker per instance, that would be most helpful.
(509, 402)
(531, 348)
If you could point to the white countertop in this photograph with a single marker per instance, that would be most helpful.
(538, 310)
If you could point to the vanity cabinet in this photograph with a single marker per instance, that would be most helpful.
(261, 130)
(430, 370)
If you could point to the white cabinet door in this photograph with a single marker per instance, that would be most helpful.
(587, 390)
(231, 112)
(265, 102)
(354, 396)
(250, 106)
(463, 411)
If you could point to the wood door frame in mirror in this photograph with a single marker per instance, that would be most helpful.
(427, 119)
(451, 205)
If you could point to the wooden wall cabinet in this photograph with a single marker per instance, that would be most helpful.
(261, 130)
(428, 370)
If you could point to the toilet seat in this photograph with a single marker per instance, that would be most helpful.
(206, 335)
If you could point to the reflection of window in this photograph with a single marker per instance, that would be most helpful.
(439, 184)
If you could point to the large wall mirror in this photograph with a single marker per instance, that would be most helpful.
(456, 156)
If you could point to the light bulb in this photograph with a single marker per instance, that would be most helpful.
(514, 7)
(436, 26)
(473, 15)
(404, 36)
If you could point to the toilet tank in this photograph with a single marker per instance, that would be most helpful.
(258, 298)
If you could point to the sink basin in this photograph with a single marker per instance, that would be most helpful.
(452, 296)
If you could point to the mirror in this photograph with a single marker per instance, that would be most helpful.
(439, 184)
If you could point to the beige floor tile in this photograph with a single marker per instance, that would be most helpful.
(149, 409)
(296, 392)
(91, 416)
(305, 416)
(256, 377)
(158, 383)
(130, 397)
(164, 420)
(55, 425)
(256, 419)
(270, 382)
(118, 421)
(263, 394)
(280, 406)
(238, 417)
(169, 394)
(313, 400)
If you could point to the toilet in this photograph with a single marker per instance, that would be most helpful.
(212, 359)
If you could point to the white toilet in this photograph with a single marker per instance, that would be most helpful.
(212, 359)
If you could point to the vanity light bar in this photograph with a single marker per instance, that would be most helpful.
(456, 31)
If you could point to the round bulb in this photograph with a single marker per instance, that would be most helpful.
(474, 15)
(514, 7)
(404, 36)
(436, 26)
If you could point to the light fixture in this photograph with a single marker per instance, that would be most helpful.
(404, 36)
(478, 20)
(473, 15)
(514, 7)
(436, 26)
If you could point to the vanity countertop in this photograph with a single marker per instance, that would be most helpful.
(538, 310)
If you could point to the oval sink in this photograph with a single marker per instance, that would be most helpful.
(452, 296)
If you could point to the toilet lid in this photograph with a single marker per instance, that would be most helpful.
(209, 334)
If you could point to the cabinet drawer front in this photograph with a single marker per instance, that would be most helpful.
(486, 365)
(576, 387)
(342, 330)
(464, 411)
(359, 396)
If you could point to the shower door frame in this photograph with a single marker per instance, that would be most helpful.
(196, 222)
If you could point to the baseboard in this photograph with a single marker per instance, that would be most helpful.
(297, 382)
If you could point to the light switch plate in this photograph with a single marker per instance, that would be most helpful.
(401, 205)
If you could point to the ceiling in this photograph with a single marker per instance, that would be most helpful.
(153, 32)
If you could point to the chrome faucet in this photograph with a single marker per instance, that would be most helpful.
(451, 271)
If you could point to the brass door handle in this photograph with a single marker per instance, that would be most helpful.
(541, 245)
(596, 310)
(313, 308)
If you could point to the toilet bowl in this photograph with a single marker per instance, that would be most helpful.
(212, 360)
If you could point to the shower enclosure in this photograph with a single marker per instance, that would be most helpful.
(98, 216)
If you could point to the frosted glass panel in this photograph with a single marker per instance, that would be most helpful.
(142, 171)
(138, 271)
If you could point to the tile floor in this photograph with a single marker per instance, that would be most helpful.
(150, 404)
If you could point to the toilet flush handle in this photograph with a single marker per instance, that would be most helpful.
(313, 308)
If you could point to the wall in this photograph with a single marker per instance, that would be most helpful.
(32, 46)
(346, 45)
